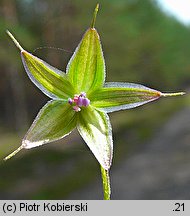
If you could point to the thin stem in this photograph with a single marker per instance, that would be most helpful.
(15, 41)
(106, 183)
(94, 16)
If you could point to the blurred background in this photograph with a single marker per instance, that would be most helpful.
(142, 43)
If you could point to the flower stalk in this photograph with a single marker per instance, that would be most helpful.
(106, 183)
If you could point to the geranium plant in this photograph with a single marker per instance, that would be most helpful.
(80, 98)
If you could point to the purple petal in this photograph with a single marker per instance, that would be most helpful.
(80, 101)
(70, 101)
(83, 94)
(85, 102)
(76, 108)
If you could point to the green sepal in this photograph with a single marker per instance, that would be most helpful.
(86, 68)
(119, 96)
(51, 81)
(95, 128)
(54, 121)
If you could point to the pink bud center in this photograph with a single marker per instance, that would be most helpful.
(79, 101)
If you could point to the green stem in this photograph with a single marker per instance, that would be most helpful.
(106, 183)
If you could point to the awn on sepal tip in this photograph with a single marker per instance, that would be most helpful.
(172, 94)
(94, 16)
(13, 153)
(14, 40)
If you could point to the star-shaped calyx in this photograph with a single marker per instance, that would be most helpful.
(80, 98)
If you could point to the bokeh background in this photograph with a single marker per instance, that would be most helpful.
(141, 44)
